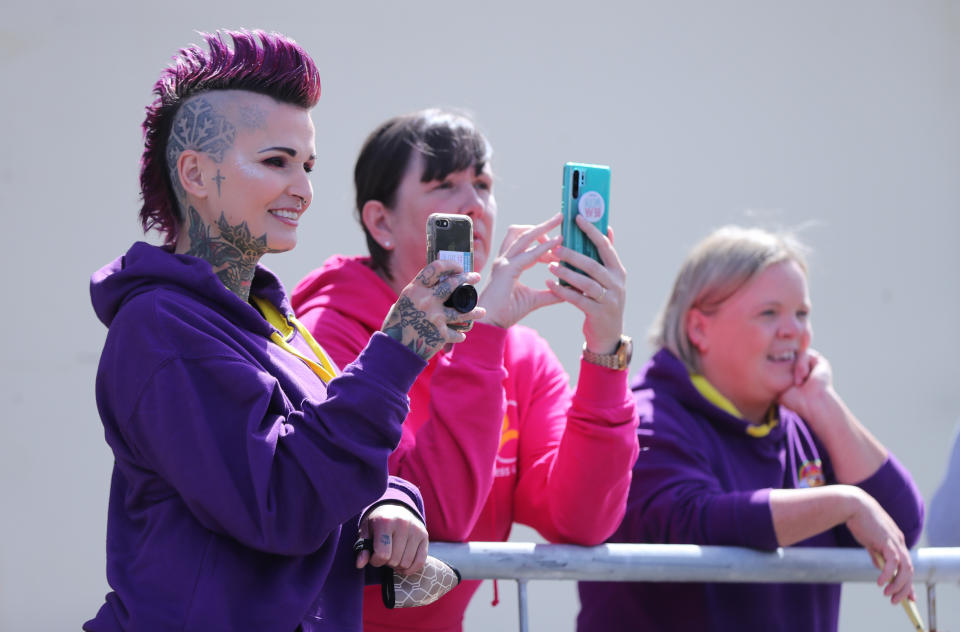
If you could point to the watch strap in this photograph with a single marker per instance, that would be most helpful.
(618, 360)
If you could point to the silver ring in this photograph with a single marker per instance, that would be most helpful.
(603, 292)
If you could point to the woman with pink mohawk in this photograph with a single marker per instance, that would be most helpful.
(247, 464)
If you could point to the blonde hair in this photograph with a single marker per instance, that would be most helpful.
(718, 266)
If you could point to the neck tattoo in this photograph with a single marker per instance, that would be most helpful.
(233, 253)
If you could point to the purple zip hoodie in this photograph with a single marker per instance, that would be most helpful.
(239, 477)
(702, 479)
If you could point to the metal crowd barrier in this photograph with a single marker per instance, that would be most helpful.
(524, 561)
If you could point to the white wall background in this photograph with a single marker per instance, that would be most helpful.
(843, 117)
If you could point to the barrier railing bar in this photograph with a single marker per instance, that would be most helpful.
(523, 561)
(681, 563)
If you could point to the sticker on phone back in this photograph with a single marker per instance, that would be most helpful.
(463, 258)
(591, 206)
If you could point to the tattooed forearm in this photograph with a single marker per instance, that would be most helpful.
(200, 126)
(233, 253)
(409, 326)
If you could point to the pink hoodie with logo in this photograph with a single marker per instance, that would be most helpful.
(494, 435)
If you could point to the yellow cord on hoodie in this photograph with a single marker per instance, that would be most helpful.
(283, 329)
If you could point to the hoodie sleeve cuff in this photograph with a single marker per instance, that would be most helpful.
(893, 487)
(389, 362)
(602, 388)
(400, 492)
(484, 346)
(743, 519)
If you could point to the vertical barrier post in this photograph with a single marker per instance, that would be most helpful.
(932, 606)
(522, 603)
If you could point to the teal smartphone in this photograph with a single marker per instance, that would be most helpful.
(586, 191)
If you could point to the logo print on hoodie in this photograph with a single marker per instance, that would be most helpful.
(507, 458)
(810, 474)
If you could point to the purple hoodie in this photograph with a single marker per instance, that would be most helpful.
(239, 477)
(701, 479)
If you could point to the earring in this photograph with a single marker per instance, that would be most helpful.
(387, 244)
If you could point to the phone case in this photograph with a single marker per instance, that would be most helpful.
(586, 191)
(450, 237)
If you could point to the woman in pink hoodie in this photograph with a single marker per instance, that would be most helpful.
(495, 435)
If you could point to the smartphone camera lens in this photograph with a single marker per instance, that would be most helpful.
(576, 184)
(443, 223)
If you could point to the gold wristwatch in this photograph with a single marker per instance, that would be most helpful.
(618, 360)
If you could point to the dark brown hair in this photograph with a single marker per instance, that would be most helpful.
(448, 141)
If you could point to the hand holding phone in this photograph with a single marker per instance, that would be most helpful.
(601, 292)
(450, 238)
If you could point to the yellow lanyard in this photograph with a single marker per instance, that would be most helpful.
(283, 329)
(715, 397)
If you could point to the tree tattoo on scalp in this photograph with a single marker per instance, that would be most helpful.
(233, 254)
(198, 126)
(406, 321)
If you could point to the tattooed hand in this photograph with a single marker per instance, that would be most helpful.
(399, 538)
(419, 320)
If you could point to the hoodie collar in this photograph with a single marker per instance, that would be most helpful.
(145, 267)
(666, 373)
(715, 397)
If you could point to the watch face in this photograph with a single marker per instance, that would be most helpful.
(625, 351)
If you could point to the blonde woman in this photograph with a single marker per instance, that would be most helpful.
(745, 442)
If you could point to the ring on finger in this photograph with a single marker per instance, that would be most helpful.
(603, 292)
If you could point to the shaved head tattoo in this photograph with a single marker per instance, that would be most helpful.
(199, 126)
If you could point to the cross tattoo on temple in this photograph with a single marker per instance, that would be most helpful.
(218, 179)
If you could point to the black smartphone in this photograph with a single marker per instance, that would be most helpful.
(450, 238)
(586, 191)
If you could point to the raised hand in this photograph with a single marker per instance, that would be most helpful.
(600, 292)
(812, 382)
(854, 451)
(505, 298)
(419, 319)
